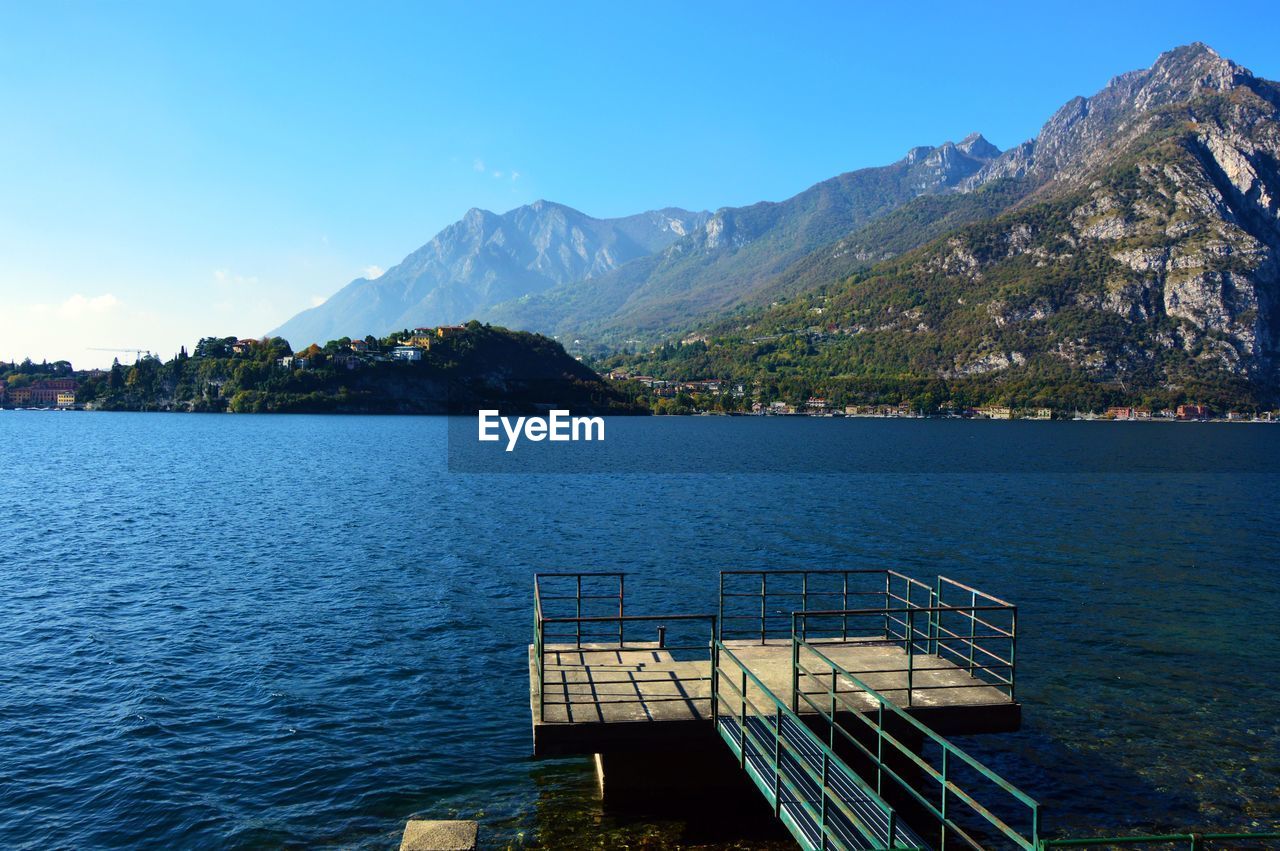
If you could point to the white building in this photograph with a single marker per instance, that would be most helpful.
(407, 353)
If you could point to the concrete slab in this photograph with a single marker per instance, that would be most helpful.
(601, 698)
(422, 835)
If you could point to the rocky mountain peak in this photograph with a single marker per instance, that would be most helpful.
(934, 169)
(1085, 129)
(975, 145)
(918, 153)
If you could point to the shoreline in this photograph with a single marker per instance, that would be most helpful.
(723, 414)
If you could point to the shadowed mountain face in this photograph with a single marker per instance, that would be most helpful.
(484, 259)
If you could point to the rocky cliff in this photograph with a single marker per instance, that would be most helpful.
(1134, 242)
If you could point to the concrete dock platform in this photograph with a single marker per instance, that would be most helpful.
(602, 698)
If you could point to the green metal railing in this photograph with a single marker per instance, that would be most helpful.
(966, 627)
(931, 654)
(756, 605)
(962, 625)
(1179, 841)
(848, 706)
(572, 642)
(821, 801)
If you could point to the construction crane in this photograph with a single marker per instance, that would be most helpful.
(137, 353)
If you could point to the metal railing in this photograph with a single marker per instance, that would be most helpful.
(973, 623)
(932, 654)
(1175, 841)
(821, 801)
(858, 716)
(756, 605)
(580, 642)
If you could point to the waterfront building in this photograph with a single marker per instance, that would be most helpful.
(406, 353)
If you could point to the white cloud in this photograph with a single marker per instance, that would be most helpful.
(317, 300)
(497, 174)
(225, 277)
(373, 271)
(81, 305)
(478, 165)
(515, 175)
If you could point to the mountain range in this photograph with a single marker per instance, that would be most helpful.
(485, 259)
(1133, 241)
(548, 267)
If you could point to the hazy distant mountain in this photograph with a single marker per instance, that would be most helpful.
(736, 254)
(484, 259)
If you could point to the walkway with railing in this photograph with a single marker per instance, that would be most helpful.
(819, 798)
(833, 689)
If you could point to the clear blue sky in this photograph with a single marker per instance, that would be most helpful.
(172, 170)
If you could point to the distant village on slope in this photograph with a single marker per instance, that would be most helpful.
(57, 386)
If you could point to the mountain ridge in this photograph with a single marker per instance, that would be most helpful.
(487, 257)
(1138, 252)
(740, 248)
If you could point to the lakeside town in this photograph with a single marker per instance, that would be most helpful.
(701, 394)
(57, 386)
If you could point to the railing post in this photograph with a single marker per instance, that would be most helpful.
(886, 605)
(822, 817)
(804, 596)
(879, 748)
(795, 666)
(720, 621)
(937, 585)
(764, 597)
(577, 602)
(715, 679)
(777, 760)
(946, 762)
(935, 621)
(911, 656)
(542, 667)
(973, 628)
(621, 623)
(844, 607)
(831, 726)
(1013, 651)
(662, 636)
(742, 724)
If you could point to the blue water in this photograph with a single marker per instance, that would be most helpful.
(264, 632)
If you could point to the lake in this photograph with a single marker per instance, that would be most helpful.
(226, 631)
